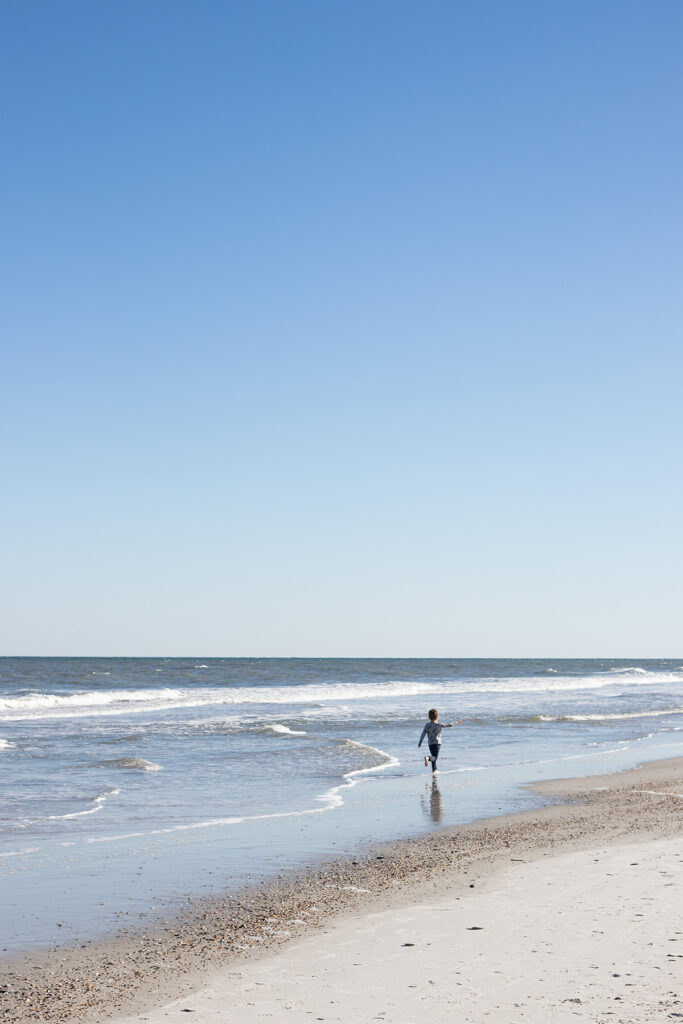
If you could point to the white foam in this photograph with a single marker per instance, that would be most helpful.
(5, 745)
(521, 764)
(388, 760)
(616, 716)
(36, 705)
(119, 702)
(20, 853)
(98, 802)
(598, 753)
(282, 730)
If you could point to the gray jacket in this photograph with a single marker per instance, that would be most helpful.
(432, 731)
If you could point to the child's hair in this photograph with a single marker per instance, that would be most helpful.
(433, 714)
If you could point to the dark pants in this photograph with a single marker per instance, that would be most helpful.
(434, 749)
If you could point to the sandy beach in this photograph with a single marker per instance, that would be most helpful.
(575, 937)
(568, 912)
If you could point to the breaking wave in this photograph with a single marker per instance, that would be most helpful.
(282, 730)
(133, 763)
(98, 802)
(616, 716)
(121, 702)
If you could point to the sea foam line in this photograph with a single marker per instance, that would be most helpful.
(527, 764)
(98, 801)
(281, 730)
(609, 717)
(330, 800)
(123, 702)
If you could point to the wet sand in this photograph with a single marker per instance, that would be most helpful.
(553, 902)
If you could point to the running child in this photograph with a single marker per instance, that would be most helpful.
(432, 731)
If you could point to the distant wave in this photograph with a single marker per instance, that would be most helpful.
(608, 717)
(631, 671)
(89, 701)
(133, 763)
(5, 745)
(121, 702)
(282, 730)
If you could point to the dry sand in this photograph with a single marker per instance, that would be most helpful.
(567, 913)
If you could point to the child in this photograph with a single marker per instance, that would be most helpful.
(432, 730)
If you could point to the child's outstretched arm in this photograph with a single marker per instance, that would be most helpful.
(449, 725)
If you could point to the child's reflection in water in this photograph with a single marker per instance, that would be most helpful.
(432, 802)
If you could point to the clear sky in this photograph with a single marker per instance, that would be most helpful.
(341, 327)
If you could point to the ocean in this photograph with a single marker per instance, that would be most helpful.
(132, 785)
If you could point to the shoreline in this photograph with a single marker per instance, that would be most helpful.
(135, 970)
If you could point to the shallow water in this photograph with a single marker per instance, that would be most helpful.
(131, 784)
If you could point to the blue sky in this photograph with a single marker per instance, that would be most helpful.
(341, 328)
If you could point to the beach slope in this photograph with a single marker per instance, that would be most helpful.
(594, 935)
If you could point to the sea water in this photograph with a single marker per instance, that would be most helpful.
(131, 785)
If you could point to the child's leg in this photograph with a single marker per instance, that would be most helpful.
(434, 749)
